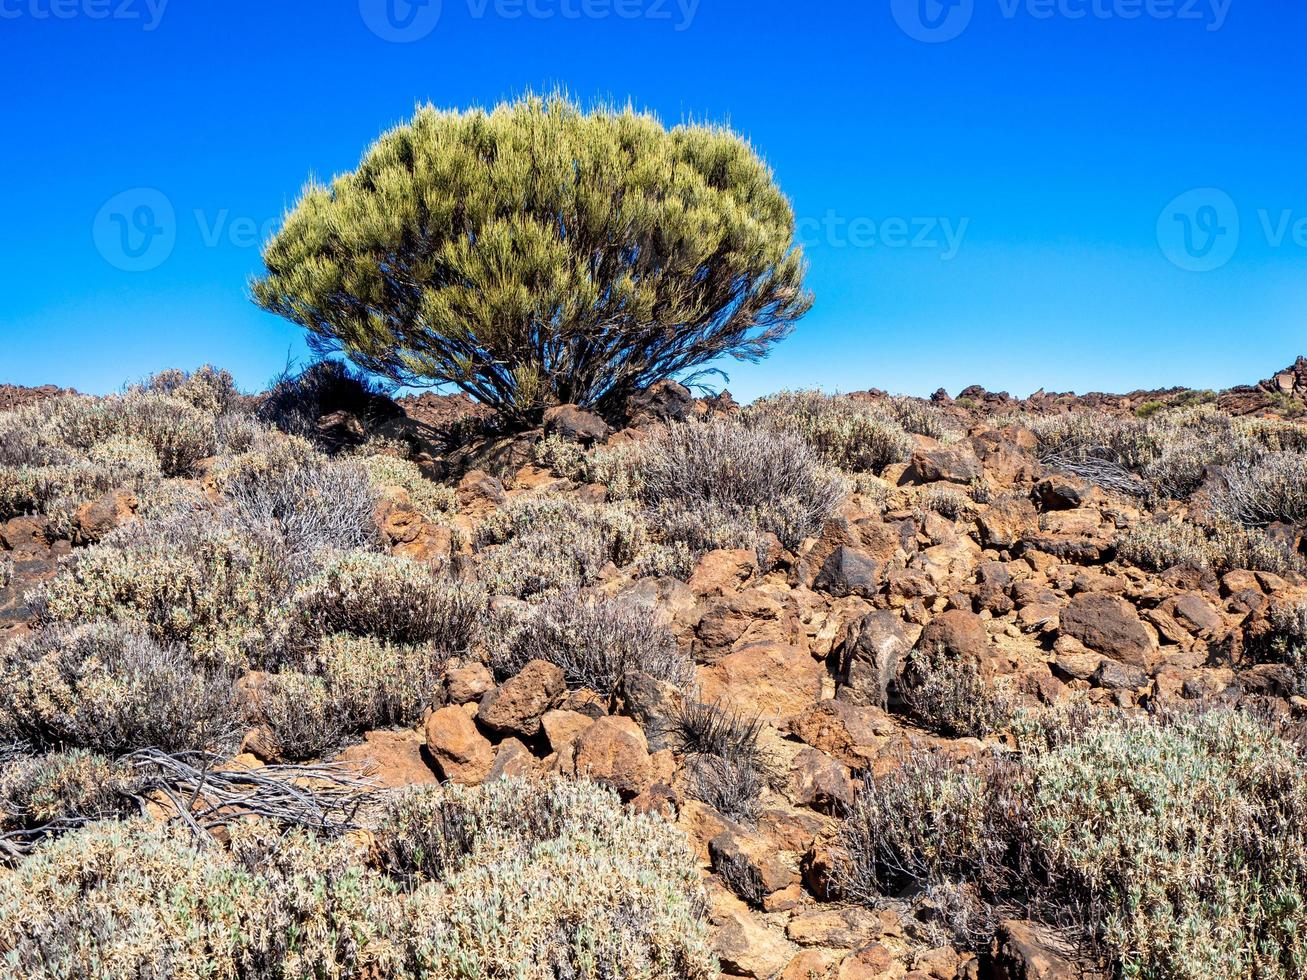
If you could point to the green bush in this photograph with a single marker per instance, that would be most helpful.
(596, 640)
(528, 880)
(855, 434)
(1176, 845)
(102, 687)
(437, 261)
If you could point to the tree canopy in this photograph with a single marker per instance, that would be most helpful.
(538, 254)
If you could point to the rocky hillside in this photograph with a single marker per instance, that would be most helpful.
(958, 688)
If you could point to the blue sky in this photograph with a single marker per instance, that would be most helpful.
(1078, 194)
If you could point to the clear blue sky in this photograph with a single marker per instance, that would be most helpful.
(1034, 158)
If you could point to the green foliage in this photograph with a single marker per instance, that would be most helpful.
(529, 880)
(855, 434)
(537, 254)
(949, 694)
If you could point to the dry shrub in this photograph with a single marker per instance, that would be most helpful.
(399, 600)
(854, 434)
(1159, 545)
(596, 640)
(1269, 490)
(209, 389)
(183, 578)
(531, 880)
(694, 476)
(726, 766)
(103, 687)
(542, 544)
(1174, 845)
(949, 695)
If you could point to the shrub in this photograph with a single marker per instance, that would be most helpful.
(1175, 845)
(757, 476)
(1287, 641)
(182, 578)
(1159, 545)
(6, 571)
(62, 788)
(102, 687)
(557, 880)
(1270, 490)
(949, 695)
(432, 500)
(372, 683)
(852, 433)
(924, 419)
(926, 821)
(321, 504)
(302, 714)
(395, 599)
(209, 389)
(596, 640)
(562, 871)
(180, 434)
(945, 500)
(541, 544)
(726, 766)
(296, 402)
(564, 457)
(130, 899)
(460, 234)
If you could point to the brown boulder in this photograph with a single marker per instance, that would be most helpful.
(576, 424)
(516, 705)
(774, 680)
(461, 753)
(1109, 625)
(392, 759)
(951, 464)
(613, 751)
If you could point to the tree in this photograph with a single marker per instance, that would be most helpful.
(538, 254)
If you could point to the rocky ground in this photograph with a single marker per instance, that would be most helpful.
(973, 546)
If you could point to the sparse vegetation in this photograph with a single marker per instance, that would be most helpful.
(1175, 845)
(854, 434)
(596, 640)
